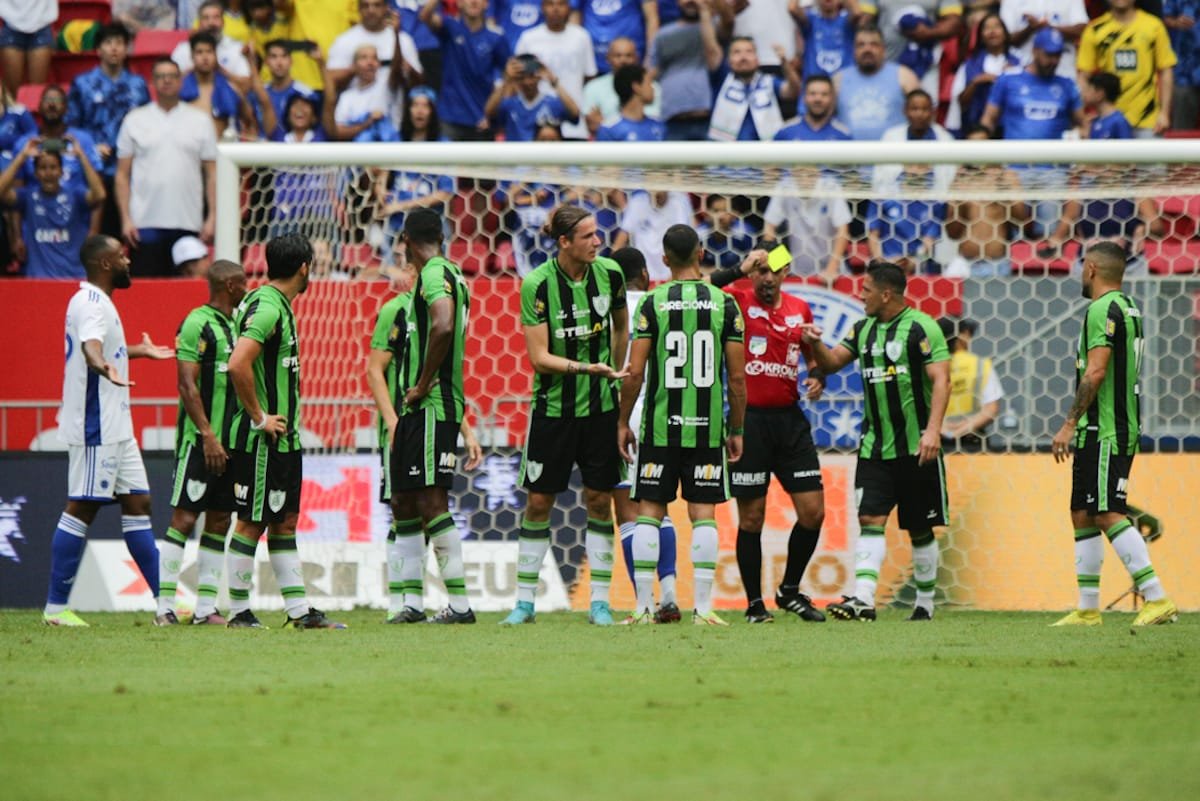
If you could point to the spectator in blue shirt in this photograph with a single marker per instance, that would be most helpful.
(54, 218)
(210, 91)
(100, 98)
(668, 12)
(473, 60)
(1035, 103)
(818, 123)
(520, 108)
(16, 121)
(281, 89)
(1101, 90)
(1180, 17)
(73, 141)
(606, 20)
(635, 90)
(828, 35)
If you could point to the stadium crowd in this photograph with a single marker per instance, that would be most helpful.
(112, 112)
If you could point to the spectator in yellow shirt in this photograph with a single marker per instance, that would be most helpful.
(1135, 47)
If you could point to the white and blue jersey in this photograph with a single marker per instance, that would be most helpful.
(15, 123)
(225, 99)
(94, 411)
(97, 104)
(624, 129)
(472, 63)
(53, 227)
(72, 170)
(1032, 107)
(606, 20)
(521, 119)
(1185, 43)
(404, 185)
(828, 43)
(517, 16)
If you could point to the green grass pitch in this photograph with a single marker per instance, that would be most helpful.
(975, 706)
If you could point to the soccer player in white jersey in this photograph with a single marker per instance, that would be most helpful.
(94, 421)
(637, 281)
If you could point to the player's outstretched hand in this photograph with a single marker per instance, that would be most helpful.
(215, 457)
(114, 375)
(733, 447)
(474, 452)
(626, 442)
(929, 446)
(148, 350)
(811, 333)
(1060, 446)
(605, 371)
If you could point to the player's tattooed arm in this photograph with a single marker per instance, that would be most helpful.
(1085, 395)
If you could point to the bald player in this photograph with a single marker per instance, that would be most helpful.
(203, 481)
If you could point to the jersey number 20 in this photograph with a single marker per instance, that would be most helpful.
(703, 359)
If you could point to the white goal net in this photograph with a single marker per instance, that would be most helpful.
(991, 231)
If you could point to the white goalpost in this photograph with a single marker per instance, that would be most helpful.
(1006, 203)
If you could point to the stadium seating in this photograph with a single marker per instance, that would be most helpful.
(93, 10)
(66, 66)
(30, 96)
(149, 46)
(1026, 260)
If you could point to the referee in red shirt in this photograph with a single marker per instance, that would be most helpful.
(778, 437)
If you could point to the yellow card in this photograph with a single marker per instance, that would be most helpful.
(779, 258)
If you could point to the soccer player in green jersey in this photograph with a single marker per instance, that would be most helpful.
(906, 385)
(431, 409)
(576, 328)
(206, 409)
(264, 370)
(1104, 424)
(406, 545)
(689, 335)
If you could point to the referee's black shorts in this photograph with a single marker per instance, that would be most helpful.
(776, 441)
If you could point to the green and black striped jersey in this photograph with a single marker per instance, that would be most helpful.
(438, 279)
(265, 316)
(1112, 321)
(205, 338)
(578, 320)
(391, 332)
(896, 390)
(688, 324)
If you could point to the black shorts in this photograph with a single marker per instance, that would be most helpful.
(776, 441)
(659, 470)
(1100, 479)
(424, 453)
(556, 444)
(919, 491)
(197, 490)
(266, 483)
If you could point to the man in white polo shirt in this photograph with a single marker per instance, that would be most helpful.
(166, 174)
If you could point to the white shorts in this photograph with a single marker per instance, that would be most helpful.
(102, 472)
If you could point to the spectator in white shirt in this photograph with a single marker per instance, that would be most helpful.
(381, 29)
(566, 49)
(229, 51)
(1024, 18)
(646, 217)
(768, 24)
(600, 101)
(166, 171)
